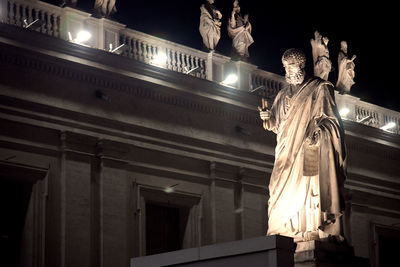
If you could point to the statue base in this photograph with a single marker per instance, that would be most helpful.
(326, 254)
(264, 251)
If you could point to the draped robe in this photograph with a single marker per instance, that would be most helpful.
(298, 203)
(209, 28)
(240, 34)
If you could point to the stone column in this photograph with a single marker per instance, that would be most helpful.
(104, 32)
(346, 102)
(72, 21)
(215, 66)
(244, 75)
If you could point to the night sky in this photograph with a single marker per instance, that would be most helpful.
(367, 26)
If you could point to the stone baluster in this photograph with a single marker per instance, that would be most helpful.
(187, 62)
(192, 65)
(17, 14)
(10, 15)
(36, 13)
(169, 58)
(178, 61)
(42, 18)
(139, 51)
(23, 14)
(49, 29)
(127, 41)
(30, 19)
(55, 26)
(149, 52)
(130, 42)
(144, 51)
(203, 69)
(152, 52)
(174, 68)
(135, 48)
(196, 64)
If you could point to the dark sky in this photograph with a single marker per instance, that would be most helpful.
(367, 26)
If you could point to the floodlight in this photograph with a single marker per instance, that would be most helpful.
(118, 50)
(257, 88)
(191, 70)
(344, 111)
(34, 25)
(170, 189)
(388, 126)
(230, 79)
(70, 36)
(159, 59)
(365, 119)
(82, 36)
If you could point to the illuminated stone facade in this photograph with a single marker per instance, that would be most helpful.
(99, 137)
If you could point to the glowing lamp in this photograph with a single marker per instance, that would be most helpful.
(230, 79)
(388, 126)
(160, 59)
(170, 189)
(344, 111)
(83, 36)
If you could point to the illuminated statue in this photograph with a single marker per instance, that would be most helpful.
(310, 157)
(346, 69)
(105, 8)
(320, 52)
(239, 29)
(210, 24)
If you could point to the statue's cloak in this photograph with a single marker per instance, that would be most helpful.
(294, 119)
(209, 29)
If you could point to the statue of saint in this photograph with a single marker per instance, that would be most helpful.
(310, 157)
(320, 52)
(105, 8)
(239, 29)
(210, 25)
(346, 69)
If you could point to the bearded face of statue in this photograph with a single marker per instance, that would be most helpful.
(294, 61)
(294, 73)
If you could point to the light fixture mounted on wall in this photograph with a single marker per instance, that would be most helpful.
(82, 37)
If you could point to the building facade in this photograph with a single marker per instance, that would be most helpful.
(107, 154)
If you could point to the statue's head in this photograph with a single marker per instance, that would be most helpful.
(236, 6)
(210, 1)
(294, 61)
(343, 46)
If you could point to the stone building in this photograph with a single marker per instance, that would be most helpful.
(108, 153)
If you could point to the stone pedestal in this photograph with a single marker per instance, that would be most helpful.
(326, 254)
(265, 251)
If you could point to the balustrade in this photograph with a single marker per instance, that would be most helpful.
(23, 12)
(179, 58)
(149, 49)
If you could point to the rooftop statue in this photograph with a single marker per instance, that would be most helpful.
(210, 24)
(310, 157)
(105, 8)
(346, 69)
(239, 29)
(320, 52)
